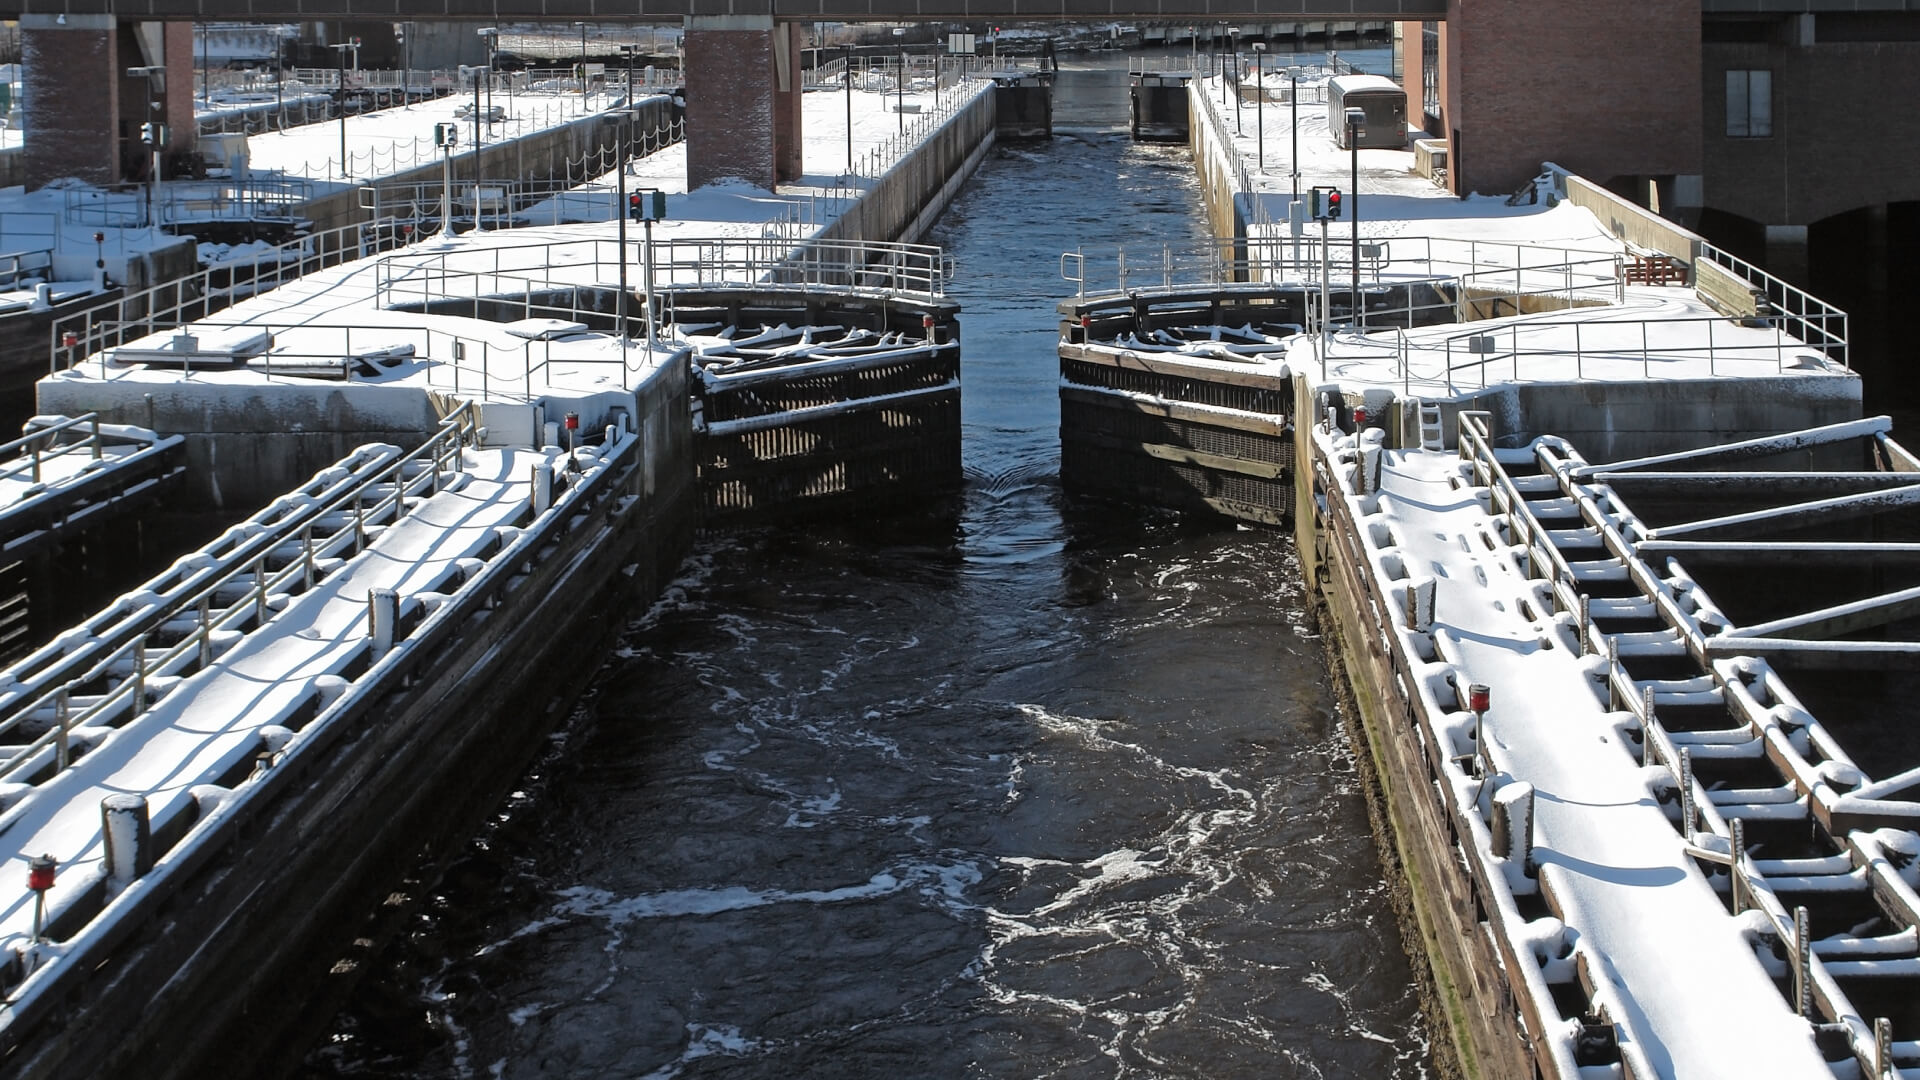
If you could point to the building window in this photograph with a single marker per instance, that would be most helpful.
(1430, 67)
(1749, 104)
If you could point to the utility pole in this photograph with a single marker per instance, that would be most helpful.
(1356, 129)
(620, 208)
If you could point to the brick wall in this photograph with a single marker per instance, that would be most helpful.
(71, 81)
(730, 104)
(1843, 131)
(181, 81)
(1605, 89)
(788, 152)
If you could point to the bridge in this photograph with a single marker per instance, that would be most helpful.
(1637, 94)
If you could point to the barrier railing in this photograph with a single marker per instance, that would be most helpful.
(1712, 819)
(197, 295)
(1813, 320)
(418, 202)
(178, 622)
(30, 453)
(16, 267)
(915, 270)
(1584, 342)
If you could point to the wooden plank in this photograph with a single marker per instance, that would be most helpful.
(1265, 470)
(1210, 415)
(1176, 365)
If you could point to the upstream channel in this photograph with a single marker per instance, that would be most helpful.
(1024, 788)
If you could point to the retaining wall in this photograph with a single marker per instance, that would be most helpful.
(903, 204)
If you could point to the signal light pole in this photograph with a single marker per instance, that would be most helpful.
(1356, 129)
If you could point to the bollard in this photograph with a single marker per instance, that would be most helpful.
(128, 828)
(1513, 824)
(40, 871)
(542, 488)
(1802, 962)
(383, 615)
(1420, 604)
(551, 431)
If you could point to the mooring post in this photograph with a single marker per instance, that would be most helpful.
(542, 488)
(40, 872)
(126, 824)
(383, 615)
(1420, 592)
(1513, 824)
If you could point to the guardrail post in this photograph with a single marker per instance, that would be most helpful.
(260, 591)
(1737, 848)
(96, 436)
(1687, 809)
(127, 826)
(1802, 962)
(206, 631)
(62, 719)
(383, 617)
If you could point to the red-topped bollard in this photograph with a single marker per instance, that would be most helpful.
(926, 327)
(40, 871)
(1479, 698)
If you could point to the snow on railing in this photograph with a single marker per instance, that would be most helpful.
(425, 277)
(420, 201)
(1813, 320)
(175, 624)
(30, 453)
(1711, 820)
(1642, 341)
(256, 269)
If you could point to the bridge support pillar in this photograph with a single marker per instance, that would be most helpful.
(743, 100)
(1787, 252)
(85, 114)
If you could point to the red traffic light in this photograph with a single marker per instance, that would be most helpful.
(1479, 697)
(573, 421)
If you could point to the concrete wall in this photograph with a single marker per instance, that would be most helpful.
(904, 203)
(1601, 88)
(1610, 421)
(538, 156)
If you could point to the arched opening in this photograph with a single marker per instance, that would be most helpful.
(1848, 264)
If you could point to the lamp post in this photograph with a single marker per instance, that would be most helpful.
(900, 95)
(583, 63)
(1356, 129)
(1293, 96)
(153, 133)
(620, 207)
(346, 163)
(1233, 47)
(206, 83)
(1260, 101)
(492, 34)
(849, 48)
(476, 146)
(446, 137)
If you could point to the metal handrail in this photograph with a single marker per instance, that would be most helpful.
(36, 444)
(124, 661)
(1482, 344)
(1817, 323)
(205, 291)
(917, 270)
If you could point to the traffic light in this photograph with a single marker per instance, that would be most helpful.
(1326, 204)
(153, 134)
(647, 205)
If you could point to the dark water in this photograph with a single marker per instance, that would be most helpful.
(1034, 789)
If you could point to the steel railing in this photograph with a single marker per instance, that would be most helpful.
(1646, 341)
(73, 337)
(1813, 320)
(183, 619)
(30, 453)
(424, 278)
